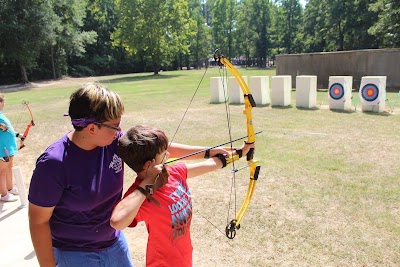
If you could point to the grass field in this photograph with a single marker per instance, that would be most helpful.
(328, 193)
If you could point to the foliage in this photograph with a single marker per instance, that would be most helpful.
(49, 38)
(26, 26)
(154, 30)
(222, 25)
(387, 26)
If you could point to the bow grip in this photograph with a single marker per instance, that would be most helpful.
(250, 154)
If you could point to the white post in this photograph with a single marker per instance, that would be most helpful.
(236, 93)
(259, 87)
(281, 90)
(19, 181)
(306, 91)
(217, 90)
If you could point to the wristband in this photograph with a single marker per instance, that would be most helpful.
(143, 191)
(239, 152)
(222, 158)
(147, 194)
(207, 153)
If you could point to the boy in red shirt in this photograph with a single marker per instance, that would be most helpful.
(168, 211)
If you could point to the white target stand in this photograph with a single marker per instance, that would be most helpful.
(217, 89)
(281, 90)
(259, 87)
(236, 93)
(306, 91)
(19, 181)
(373, 93)
(339, 92)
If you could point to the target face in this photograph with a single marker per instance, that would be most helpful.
(370, 92)
(336, 91)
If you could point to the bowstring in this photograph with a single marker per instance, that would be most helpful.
(18, 125)
(184, 114)
(224, 76)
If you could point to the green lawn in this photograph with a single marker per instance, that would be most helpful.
(328, 192)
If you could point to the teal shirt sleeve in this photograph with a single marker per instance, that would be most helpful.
(7, 138)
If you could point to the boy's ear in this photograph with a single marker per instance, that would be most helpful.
(147, 164)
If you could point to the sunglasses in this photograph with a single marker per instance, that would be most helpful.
(117, 129)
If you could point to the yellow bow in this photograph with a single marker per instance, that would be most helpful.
(249, 102)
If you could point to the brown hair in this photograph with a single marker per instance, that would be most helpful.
(141, 144)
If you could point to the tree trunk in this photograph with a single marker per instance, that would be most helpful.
(52, 63)
(156, 69)
(24, 76)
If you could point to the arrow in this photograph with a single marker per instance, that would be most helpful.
(201, 151)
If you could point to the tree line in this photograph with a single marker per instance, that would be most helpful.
(49, 39)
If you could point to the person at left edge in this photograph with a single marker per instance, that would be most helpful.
(8, 149)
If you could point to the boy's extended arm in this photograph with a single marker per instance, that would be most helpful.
(178, 150)
(213, 163)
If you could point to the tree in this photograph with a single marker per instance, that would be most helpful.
(245, 33)
(291, 27)
(315, 26)
(200, 46)
(261, 23)
(69, 40)
(223, 25)
(154, 30)
(387, 26)
(26, 26)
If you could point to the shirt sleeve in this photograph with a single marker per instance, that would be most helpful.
(48, 182)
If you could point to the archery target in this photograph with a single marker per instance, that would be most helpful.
(370, 92)
(336, 91)
(339, 92)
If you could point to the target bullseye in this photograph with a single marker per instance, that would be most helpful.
(370, 92)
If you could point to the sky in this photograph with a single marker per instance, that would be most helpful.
(303, 2)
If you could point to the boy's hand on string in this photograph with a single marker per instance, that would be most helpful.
(161, 179)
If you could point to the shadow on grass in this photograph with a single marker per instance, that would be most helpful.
(139, 77)
(16, 87)
(383, 114)
(282, 107)
(308, 109)
(343, 111)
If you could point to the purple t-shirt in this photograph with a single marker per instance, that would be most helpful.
(83, 186)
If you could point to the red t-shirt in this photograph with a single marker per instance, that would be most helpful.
(169, 242)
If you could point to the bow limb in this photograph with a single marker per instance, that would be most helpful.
(249, 102)
(28, 127)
